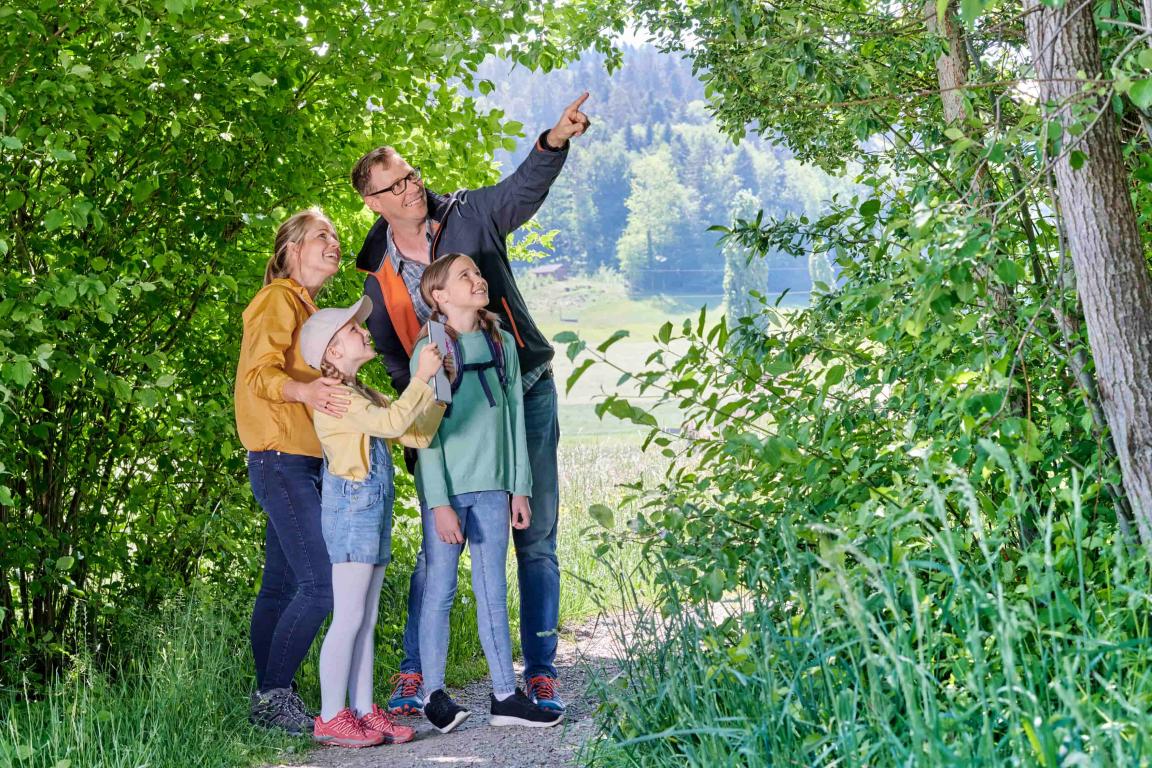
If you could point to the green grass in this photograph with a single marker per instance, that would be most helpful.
(858, 656)
(177, 698)
(595, 307)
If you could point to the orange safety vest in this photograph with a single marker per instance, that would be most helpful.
(398, 304)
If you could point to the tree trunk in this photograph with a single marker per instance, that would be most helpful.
(1103, 239)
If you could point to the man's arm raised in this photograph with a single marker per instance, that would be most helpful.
(516, 199)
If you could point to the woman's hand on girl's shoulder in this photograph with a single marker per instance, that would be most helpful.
(327, 395)
(521, 512)
(448, 525)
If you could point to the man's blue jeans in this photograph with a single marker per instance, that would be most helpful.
(537, 566)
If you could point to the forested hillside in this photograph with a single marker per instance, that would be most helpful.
(654, 174)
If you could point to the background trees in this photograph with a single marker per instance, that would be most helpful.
(654, 169)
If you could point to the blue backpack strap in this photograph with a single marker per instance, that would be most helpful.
(497, 350)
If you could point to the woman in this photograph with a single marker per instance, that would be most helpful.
(274, 390)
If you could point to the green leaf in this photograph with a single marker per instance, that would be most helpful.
(11, 142)
(62, 155)
(834, 375)
(1076, 159)
(65, 563)
(576, 374)
(1141, 93)
(262, 80)
(1008, 271)
(869, 208)
(665, 333)
(55, 219)
(566, 337)
(1145, 58)
(602, 515)
(19, 373)
(615, 337)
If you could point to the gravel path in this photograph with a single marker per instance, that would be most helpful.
(586, 650)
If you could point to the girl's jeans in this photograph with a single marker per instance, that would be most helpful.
(296, 589)
(484, 520)
(538, 568)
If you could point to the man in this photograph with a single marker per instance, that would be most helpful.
(415, 227)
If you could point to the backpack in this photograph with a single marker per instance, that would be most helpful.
(462, 366)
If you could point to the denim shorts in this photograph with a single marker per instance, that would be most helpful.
(356, 515)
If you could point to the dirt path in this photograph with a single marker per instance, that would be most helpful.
(586, 650)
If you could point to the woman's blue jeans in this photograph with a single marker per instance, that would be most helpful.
(296, 590)
(484, 520)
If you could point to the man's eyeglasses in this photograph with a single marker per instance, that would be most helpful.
(398, 187)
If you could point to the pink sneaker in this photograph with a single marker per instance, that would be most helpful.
(383, 723)
(345, 730)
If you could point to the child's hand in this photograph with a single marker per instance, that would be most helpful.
(429, 362)
(521, 512)
(448, 525)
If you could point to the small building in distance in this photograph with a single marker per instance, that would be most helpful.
(554, 271)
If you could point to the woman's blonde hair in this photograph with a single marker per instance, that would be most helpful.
(436, 277)
(291, 231)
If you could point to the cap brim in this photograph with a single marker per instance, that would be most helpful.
(361, 310)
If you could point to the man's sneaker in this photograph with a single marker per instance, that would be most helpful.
(345, 730)
(517, 709)
(444, 713)
(408, 695)
(275, 709)
(383, 723)
(542, 692)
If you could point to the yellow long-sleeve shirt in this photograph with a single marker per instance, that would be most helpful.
(269, 359)
(411, 420)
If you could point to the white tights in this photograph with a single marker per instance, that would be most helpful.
(346, 656)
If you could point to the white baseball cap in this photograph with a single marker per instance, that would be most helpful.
(319, 329)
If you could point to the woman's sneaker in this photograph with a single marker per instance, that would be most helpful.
(542, 691)
(277, 709)
(518, 709)
(383, 723)
(443, 713)
(345, 730)
(408, 695)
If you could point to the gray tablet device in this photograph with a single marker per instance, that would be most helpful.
(438, 335)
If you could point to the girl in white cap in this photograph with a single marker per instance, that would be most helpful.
(356, 514)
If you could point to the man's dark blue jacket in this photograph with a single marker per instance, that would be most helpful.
(476, 222)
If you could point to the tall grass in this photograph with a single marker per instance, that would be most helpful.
(177, 697)
(929, 639)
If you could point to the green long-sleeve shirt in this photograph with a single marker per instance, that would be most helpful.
(479, 446)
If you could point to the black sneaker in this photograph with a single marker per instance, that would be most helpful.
(276, 709)
(444, 713)
(518, 709)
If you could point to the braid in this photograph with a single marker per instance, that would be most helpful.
(490, 322)
(371, 395)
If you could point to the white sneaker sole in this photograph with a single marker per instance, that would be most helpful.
(506, 720)
(460, 717)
